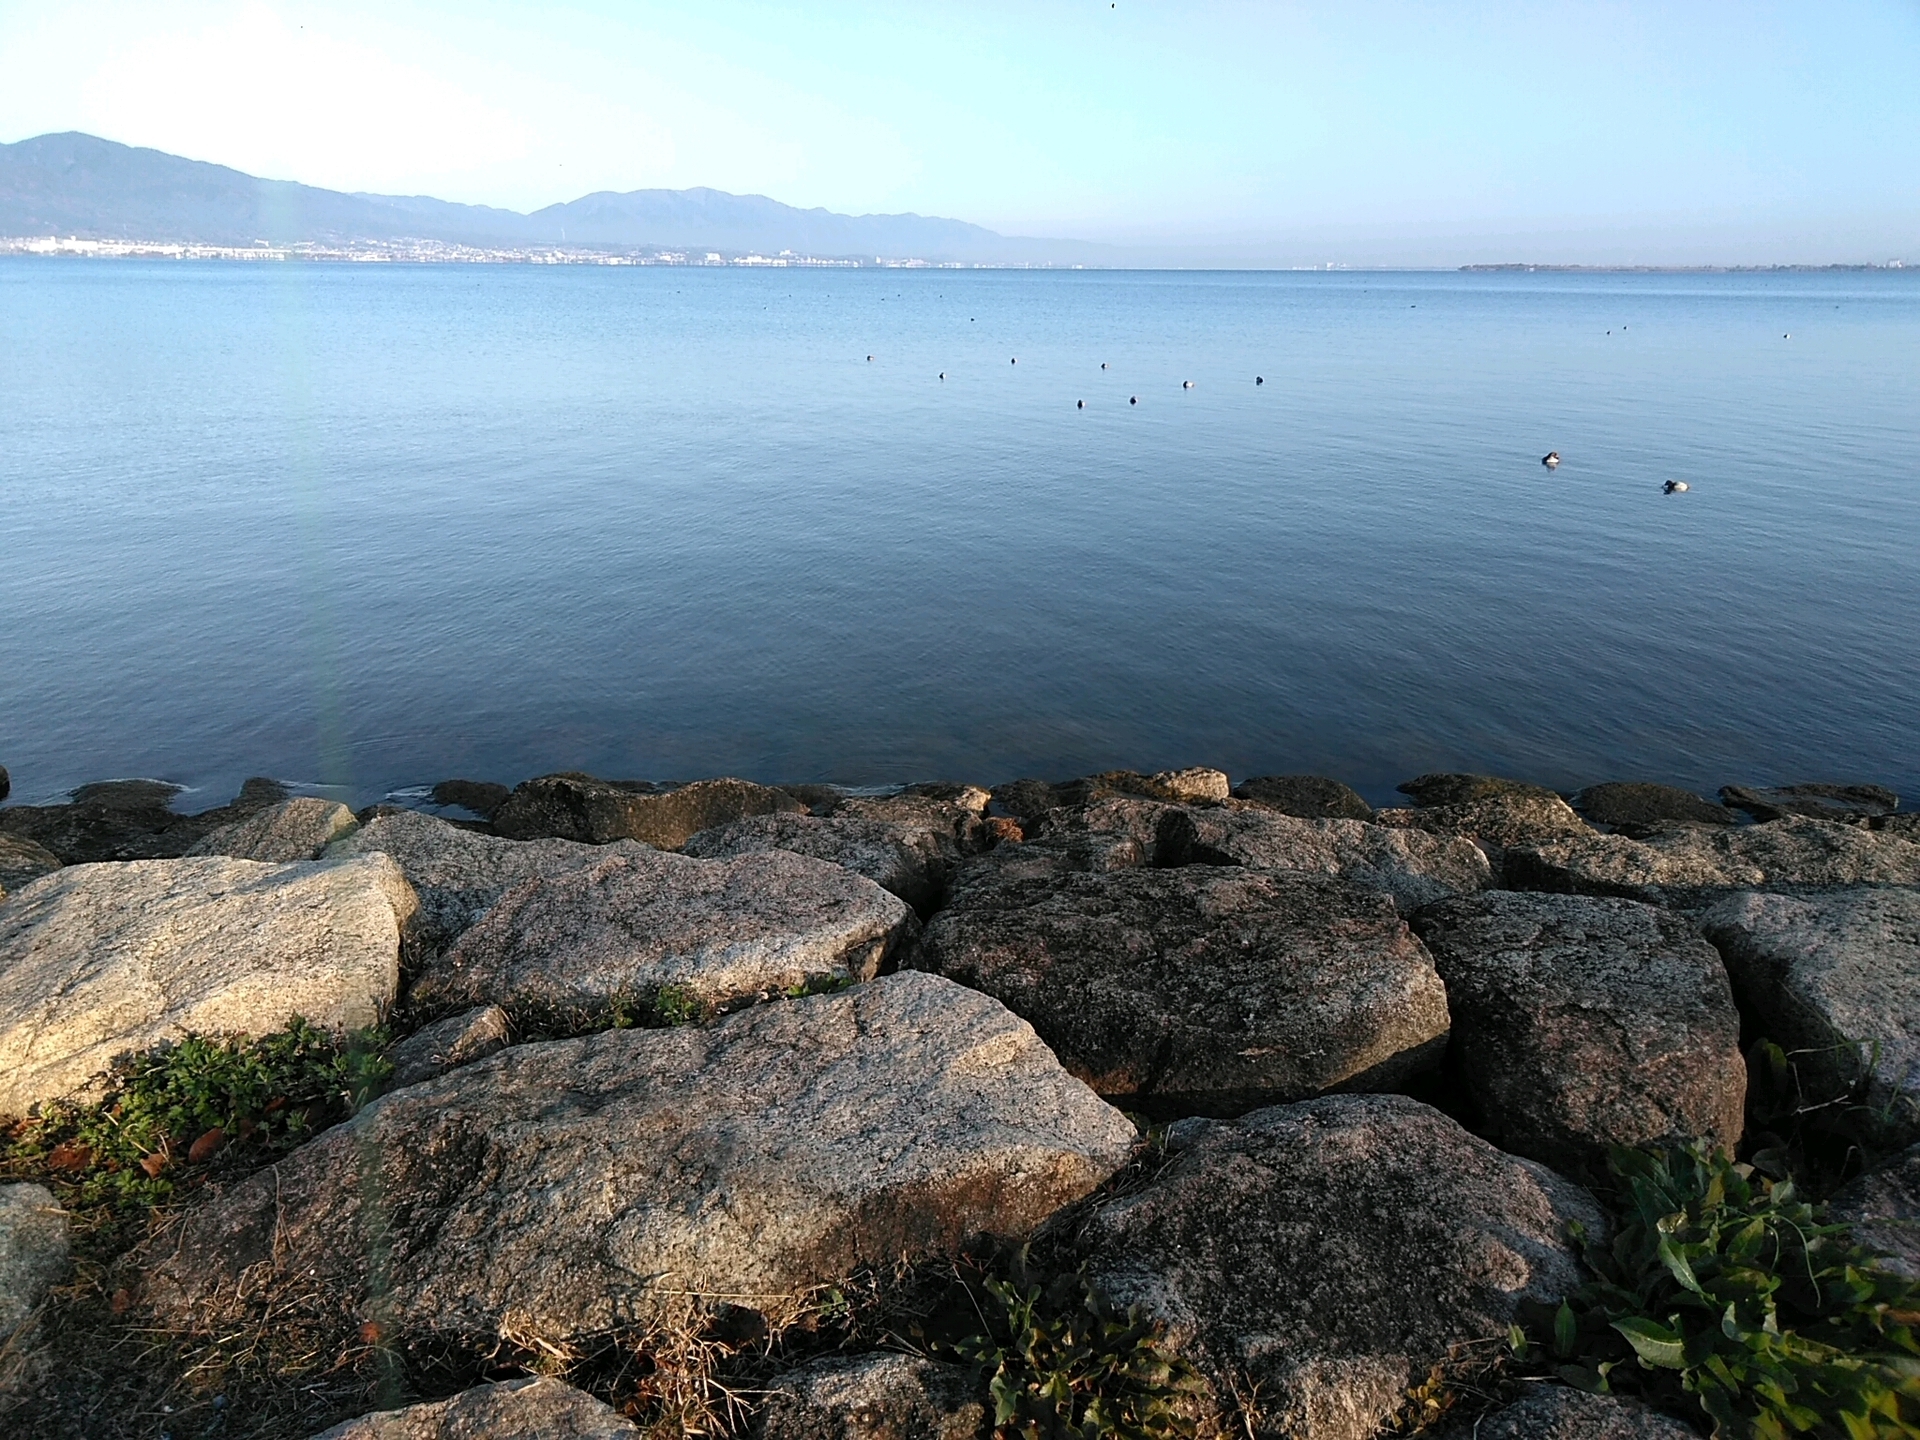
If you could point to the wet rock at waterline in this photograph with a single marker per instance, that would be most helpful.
(1326, 1255)
(1463, 789)
(1311, 797)
(129, 820)
(1412, 866)
(1204, 989)
(883, 1396)
(1028, 798)
(448, 1044)
(1835, 976)
(459, 874)
(1689, 865)
(534, 1409)
(481, 797)
(1582, 1022)
(1882, 1207)
(100, 960)
(1843, 804)
(580, 807)
(297, 829)
(911, 861)
(630, 924)
(22, 861)
(572, 1187)
(1637, 808)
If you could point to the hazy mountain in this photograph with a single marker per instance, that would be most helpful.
(74, 184)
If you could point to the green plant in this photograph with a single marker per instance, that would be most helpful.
(1723, 1292)
(178, 1111)
(1062, 1363)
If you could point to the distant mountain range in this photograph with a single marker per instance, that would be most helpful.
(79, 185)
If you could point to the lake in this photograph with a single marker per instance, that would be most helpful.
(366, 527)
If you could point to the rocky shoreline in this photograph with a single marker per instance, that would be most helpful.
(675, 1109)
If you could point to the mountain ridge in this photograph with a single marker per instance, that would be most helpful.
(74, 184)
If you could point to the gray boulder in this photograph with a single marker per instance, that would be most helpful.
(1415, 868)
(533, 1409)
(100, 960)
(1883, 1209)
(910, 860)
(1451, 788)
(1028, 798)
(482, 797)
(883, 1396)
(623, 1179)
(129, 820)
(1323, 1257)
(1635, 807)
(1581, 1022)
(1687, 865)
(448, 1044)
(1843, 804)
(1555, 1412)
(1311, 797)
(1495, 824)
(459, 874)
(23, 861)
(1118, 833)
(1835, 976)
(580, 807)
(633, 923)
(1204, 989)
(297, 829)
(33, 1254)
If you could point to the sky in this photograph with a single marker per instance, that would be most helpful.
(1357, 132)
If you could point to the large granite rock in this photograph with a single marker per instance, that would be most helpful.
(910, 860)
(1453, 788)
(22, 861)
(883, 1396)
(459, 874)
(1687, 864)
(1311, 797)
(480, 797)
(1028, 798)
(448, 1044)
(1325, 1256)
(1415, 868)
(1835, 976)
(297, 829)
(1555, 1412)
(1883, 1209)
(580, 807)
(1118, 833)
(129, 820)
(1843, 804)
(1581, 1022)
(623, 928)
(534, 1409)
(1496, 823)
(33, 1253)
(1199, 990)
(573, 1187)
(100, 960)
(1637, 808)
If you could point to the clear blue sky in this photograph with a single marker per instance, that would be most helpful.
(1359, 132)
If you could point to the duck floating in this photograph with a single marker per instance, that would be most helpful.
(1674, 487)
(1551, 459)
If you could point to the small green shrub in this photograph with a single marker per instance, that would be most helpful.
(1723, 1292)
(1062, 1363)
(180, 1110)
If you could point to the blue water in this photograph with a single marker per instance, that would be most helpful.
(372, 526)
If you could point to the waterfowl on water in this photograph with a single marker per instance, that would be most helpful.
(1103, 364)
(1079, 404)
(1259, 379)
(1186, 384)
(869, 359)
(943, 374)
(1674, 487)
(1551, 459)
(1133, 399)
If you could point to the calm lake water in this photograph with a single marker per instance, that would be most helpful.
(375, 526)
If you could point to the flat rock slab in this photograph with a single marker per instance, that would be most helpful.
(33, 1253)
(1204, 989)
(909, 860)
(1846, 804)
(1835, 975)
(882, 1396)
(448, 1044)
(1312, 797)
(1637, 807)
(1554, 1412)
(100, 960)
(1415, 868)
(1581, 1022)
(1331, 1253)
(1883, 1209)
(1688, 864)
(23, 861)
(569, 1188)
(1457, 788)
(625, 927)
(459, 874)
(580, 807)
(297, 829)
(512, 1410)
